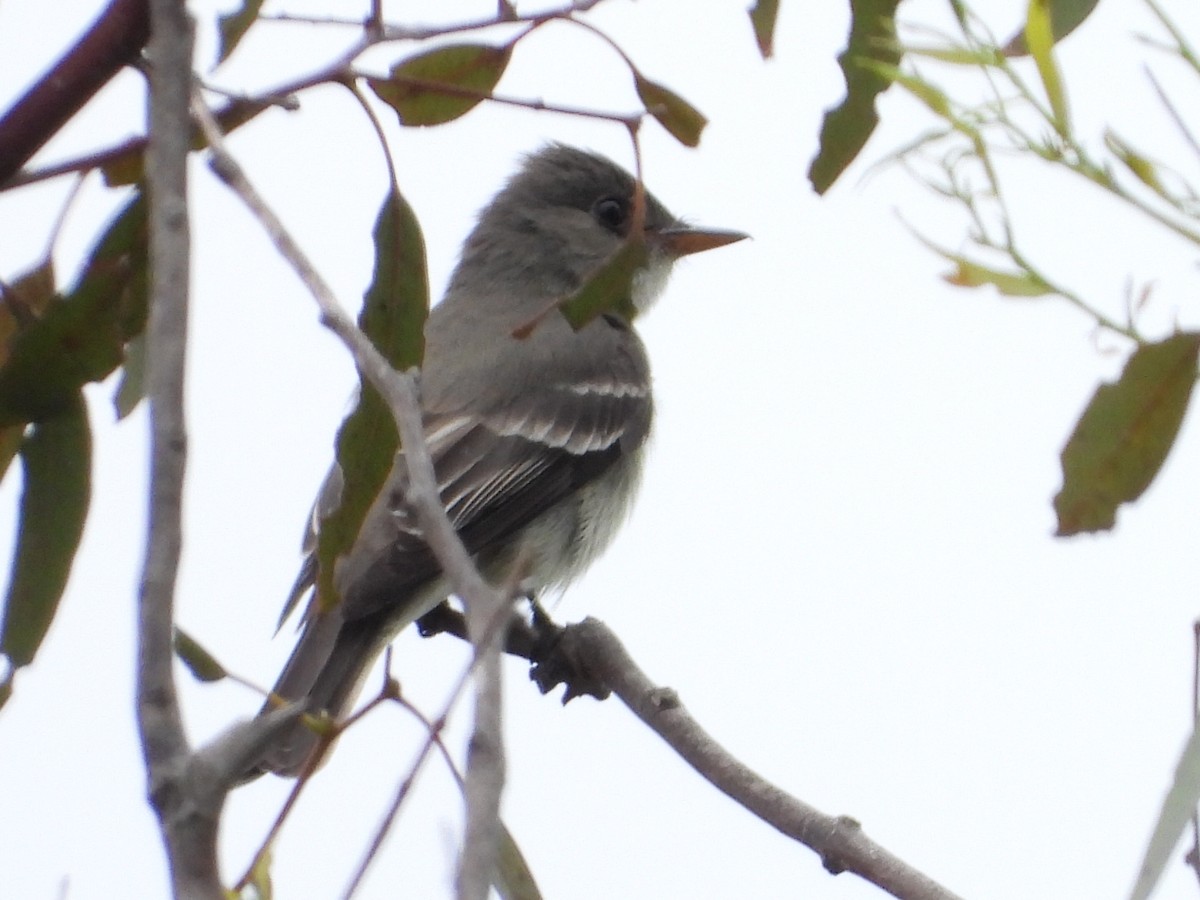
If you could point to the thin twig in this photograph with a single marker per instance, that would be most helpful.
(433, 738)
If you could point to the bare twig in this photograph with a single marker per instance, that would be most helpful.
(839, 840)
(433, 738)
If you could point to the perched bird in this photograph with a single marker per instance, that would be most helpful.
(537, 441)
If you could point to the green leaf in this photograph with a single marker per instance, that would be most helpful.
(762, 19)
(514, 879)
(393, 317)
(232, 27)
(132, 389)
(202, 664)
(680, 118)
(81, 337)
(609, 289)
(1178, 807)
(1124, 435)
(1039, 36)
(1065, 17)
(56, 463)
(845, 129)
(443, 84)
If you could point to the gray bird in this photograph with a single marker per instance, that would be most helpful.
(537, 443)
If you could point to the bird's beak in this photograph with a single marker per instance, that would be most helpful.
(684, 241)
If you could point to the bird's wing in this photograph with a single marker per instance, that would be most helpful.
(497, 471)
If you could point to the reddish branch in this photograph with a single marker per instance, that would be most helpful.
(114, 41)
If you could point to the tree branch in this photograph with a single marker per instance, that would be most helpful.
(838, 840)
(113, 41)
(182, 794)
(485, 773)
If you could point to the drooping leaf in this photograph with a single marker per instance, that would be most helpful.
(609, 289)
(129, 166)
(1039, 36)
(393, 317)
(1125, 433)
(1065, 17)
(514, 879)
(80, 337)
(132, 388)
(845, 129)
(442, 84)
(1178, 807)
(762, 19)
(232, 27)
(680, 118)
(202, 664)
(56, 465)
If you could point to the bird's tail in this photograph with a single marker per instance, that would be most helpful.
(325, 671)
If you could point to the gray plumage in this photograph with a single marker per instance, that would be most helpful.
(537, 443)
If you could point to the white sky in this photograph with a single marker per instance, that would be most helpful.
(842, 555)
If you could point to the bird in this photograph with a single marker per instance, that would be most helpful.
(537, 433)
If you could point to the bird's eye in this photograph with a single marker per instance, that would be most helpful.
(612, 213)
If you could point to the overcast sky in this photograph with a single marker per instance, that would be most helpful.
(842, 556)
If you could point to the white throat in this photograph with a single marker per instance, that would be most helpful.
(649, 282)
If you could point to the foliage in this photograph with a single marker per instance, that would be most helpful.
(1127, 428)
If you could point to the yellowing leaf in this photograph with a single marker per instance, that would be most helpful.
(1065, 17)
(1142, 168)
(1011, 284)
(1039, 36)
(1125, 433)
(443, 84)
(202, 664)
(680, 118)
